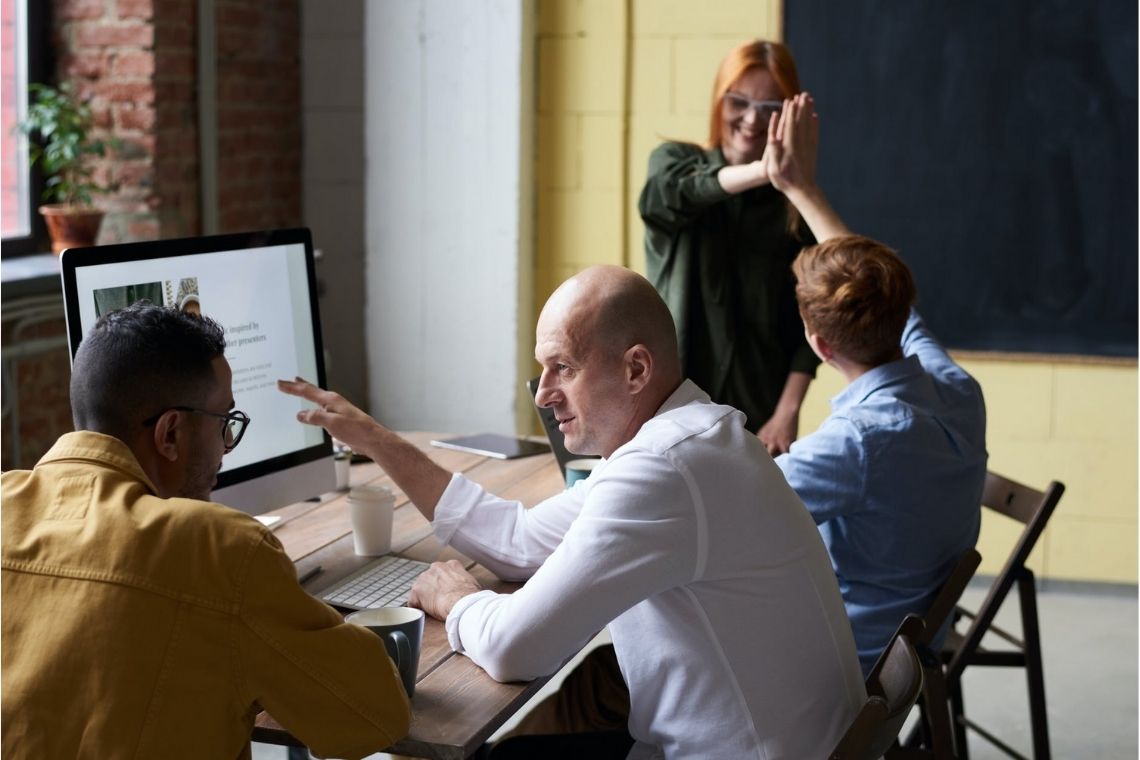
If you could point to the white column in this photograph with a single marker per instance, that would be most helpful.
(445, 258)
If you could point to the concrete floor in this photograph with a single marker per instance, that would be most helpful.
(1089, 641)
(1089, 638)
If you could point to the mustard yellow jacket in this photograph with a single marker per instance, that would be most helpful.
(141, 627)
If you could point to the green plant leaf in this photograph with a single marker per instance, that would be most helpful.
(59, 126)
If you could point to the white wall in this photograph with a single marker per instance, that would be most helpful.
(332, 61)
(444, 206)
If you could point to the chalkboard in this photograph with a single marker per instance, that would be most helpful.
(994, 145)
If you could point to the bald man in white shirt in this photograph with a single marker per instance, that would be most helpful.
(686, 541)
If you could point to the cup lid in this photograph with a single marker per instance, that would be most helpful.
(370, 493)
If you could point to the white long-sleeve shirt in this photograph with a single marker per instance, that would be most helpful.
(725, 613)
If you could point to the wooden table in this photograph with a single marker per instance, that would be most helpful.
(456, 706)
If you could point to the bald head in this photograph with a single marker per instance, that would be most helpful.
(610, 308)
(608, 351)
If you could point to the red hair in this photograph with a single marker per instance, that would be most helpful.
(773, 57)
(856, 294)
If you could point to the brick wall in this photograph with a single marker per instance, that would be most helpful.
(137, 61)
(176, 204)
(107, 50)
(259, 113)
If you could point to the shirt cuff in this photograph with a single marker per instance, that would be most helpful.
(459, 498)
(709, 189)
(452, 623)
(914, 324)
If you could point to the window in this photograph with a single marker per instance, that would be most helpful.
(24, 55)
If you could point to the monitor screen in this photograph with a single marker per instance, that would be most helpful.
(260, 287)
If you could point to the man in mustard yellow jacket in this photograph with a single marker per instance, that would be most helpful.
(141, 620)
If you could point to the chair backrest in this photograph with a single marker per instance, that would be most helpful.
(935, 726)
(949, 594)
(893, 688)
(1030, 507)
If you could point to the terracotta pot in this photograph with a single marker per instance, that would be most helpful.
(71, 226)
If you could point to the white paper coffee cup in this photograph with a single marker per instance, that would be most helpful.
(370, 508)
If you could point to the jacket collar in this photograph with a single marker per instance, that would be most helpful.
(98, 449)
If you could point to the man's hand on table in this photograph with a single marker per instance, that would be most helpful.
(440, 586)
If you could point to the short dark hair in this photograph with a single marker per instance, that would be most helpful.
(138, 361)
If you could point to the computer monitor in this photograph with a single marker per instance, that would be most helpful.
(261, 288)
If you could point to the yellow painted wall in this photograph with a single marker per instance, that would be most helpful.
(615, 78)
(1052, 420)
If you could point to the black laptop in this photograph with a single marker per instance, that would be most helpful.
(553, 434)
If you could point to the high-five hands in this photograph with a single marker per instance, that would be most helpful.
(793, 141)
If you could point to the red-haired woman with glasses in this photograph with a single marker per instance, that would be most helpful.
(719, 243)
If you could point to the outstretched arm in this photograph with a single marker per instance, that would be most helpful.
(793, 138)
(736, 178)
(413, 471)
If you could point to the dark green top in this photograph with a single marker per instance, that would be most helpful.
(722, 263)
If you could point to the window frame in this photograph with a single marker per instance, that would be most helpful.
(40, 64)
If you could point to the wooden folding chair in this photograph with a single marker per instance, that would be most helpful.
(893, 687)
(935, 724)
(1033, 509)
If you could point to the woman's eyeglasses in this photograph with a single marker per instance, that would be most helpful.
(738, 104)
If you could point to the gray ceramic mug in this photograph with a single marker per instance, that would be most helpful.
(402, 631)
(580, 469)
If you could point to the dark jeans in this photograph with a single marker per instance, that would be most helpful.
(596, 745)
(585, 718)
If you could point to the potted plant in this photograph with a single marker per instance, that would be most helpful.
(59, 128)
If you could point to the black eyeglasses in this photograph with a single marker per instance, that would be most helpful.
(232, 431)
(764, 109)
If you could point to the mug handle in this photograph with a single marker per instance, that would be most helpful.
(403, 648)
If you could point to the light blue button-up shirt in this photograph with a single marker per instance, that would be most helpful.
(894, 481)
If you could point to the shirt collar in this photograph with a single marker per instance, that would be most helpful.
(686, 393)
(874, 380)
(99, 449)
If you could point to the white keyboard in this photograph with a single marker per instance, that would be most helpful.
(383, 583)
